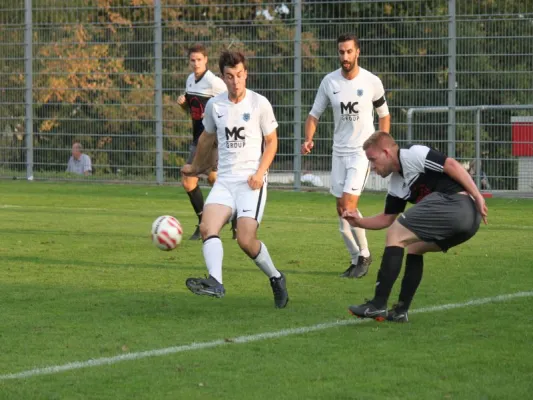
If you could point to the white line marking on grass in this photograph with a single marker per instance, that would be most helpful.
(241, 339)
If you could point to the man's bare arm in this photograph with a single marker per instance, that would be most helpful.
(202, 158)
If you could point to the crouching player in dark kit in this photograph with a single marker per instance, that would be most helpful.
(447, 212)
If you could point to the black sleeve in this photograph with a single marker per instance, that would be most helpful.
(394, 205)
(434, 161)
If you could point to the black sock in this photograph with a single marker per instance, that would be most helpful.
(391, 264)
(197, 200)
(414, 266)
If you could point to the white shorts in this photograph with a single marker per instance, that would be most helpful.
(243, 201)
(349, 174)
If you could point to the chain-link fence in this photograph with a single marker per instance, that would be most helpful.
(107, 73)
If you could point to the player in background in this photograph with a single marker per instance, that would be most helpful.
(244, 124)
(447, 212)
(353, 93)
(201, 85)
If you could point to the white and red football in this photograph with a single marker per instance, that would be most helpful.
(166, 233)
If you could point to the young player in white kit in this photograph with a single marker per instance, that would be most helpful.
(244, 124)
(353, 93)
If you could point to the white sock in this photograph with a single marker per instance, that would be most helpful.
(264, 262)
(213, 255)
(346, 232)
(360, 237)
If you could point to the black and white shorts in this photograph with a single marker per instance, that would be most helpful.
(213, 165)
(445, 219)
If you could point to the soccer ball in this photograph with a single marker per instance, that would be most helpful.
(166, 233)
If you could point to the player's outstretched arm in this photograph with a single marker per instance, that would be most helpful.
(271, 147)
(310, 129)
(456, 171)
(202, 158)
(376, 222)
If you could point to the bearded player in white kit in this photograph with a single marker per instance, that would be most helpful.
(353, 93)
(244, 124)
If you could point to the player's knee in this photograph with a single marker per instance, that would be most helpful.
(393, 235)
(349, 203)
(398, 235)
(189, 183)
(244, 241)
(204, 230)
(247, 242)
(212, 177)
(351, 206)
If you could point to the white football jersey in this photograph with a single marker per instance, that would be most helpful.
(240, 129)
(353, 103)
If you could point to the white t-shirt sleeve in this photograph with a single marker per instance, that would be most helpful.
(209, 120)
(379, 90)
(267, 119)
(321, 101)
(218, 86)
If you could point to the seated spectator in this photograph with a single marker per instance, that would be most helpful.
(79, 163)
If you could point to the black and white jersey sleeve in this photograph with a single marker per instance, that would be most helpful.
(397, 196)
(422, 159)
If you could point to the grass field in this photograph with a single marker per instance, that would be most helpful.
(80, 280)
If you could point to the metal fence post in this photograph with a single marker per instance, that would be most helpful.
(478, 148)
(410, 113)
(28, 98)
(452, 77)
(297, 94)
(158, 53)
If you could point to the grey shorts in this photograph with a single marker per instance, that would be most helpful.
(214, 157)
(447, 220)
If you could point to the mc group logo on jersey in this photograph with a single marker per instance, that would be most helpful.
(234, 139)
(349, 112)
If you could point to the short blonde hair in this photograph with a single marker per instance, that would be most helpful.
(379, 139)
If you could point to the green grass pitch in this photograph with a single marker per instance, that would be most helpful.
(80, 280)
